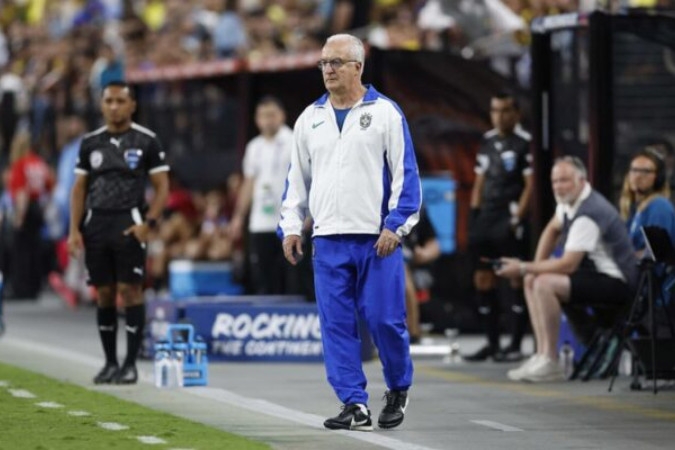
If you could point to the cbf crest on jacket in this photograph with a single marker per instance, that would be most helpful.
(355, 181)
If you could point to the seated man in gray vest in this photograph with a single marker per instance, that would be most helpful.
(596, 265)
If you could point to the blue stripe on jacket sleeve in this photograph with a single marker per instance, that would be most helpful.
(410, 199)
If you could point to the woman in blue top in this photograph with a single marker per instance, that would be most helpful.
(645, 197)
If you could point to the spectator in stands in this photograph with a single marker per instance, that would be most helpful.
(645, 197)
(229, 34)
(212, 243)
(420, 249)
(72, 285)
(181, 222)
(499, 203)
(30, 183)
(353, 169)
(596, 265)
(13, 103)
(265, 166)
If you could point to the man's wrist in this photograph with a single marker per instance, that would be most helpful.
(523, 268)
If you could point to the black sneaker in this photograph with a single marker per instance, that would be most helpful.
(107, 374)
(354, 416)
(394, 410)
(127, 375)
(508, 355)
(481, 355)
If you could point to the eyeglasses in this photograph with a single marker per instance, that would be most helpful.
(335, 64)
(641, 171)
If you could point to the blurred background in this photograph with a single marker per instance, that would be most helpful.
(594, 78)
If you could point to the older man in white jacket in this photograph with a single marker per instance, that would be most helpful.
(353, 167)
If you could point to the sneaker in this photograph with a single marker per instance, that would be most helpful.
(127, 375)
(354, 416)
(518, 373)
(394, 410)
(481, 355)
(107, 374)
(544, 369)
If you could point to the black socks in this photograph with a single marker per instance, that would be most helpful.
(135, 324)
(107, 330)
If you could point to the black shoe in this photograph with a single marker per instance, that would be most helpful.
(107, 374)
(127, 375)
(354, 416)
(481, 355)
(508, 355)
(393, 412)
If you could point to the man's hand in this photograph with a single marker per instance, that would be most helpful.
(140, 232)
(75, 243)
(293, 249)
(387, 242)
(510, 268)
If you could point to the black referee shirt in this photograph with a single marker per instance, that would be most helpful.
(503, 161)
(117, 166)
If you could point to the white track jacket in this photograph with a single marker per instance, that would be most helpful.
(357, 181)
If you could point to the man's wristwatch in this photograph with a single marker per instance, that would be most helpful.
(152, 223)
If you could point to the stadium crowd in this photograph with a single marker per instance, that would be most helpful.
(55, 57)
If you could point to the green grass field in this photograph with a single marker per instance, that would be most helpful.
(26, 425)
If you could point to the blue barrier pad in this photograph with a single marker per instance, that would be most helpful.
(258, 332)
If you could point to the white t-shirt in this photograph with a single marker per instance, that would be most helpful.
(584, 236)
(267, 161)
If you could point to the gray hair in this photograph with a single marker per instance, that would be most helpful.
(575, 162)
(356, 49)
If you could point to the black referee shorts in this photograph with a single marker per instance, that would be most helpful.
(493, 237)
(590, 288)
(110, 256)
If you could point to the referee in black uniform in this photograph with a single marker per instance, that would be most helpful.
(109, 218)
(499, 205)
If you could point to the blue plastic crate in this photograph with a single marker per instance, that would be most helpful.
(195, 372)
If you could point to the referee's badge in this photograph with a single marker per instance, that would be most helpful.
(133, 157)
(95, 159)
(365, 120)
(509, 160)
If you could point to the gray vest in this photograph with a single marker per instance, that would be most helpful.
(613, 234)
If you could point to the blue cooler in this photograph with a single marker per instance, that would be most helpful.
(194, 278)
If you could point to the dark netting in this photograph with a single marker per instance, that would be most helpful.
(196, 121)
(644, 91)
(569, 92)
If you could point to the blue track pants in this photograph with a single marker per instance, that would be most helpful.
(350, 278)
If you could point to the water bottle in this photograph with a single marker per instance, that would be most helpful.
(199, 350)
(178, 360)
(566, 359)
(163, 378)
(626, 363)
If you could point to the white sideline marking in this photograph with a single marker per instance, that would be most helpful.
(50, 405)
(21, 393)
(4, 383)
(152, 440)
(496, 425)
(227, 397)
(112, 426)
(310, 420)
(78, 413)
